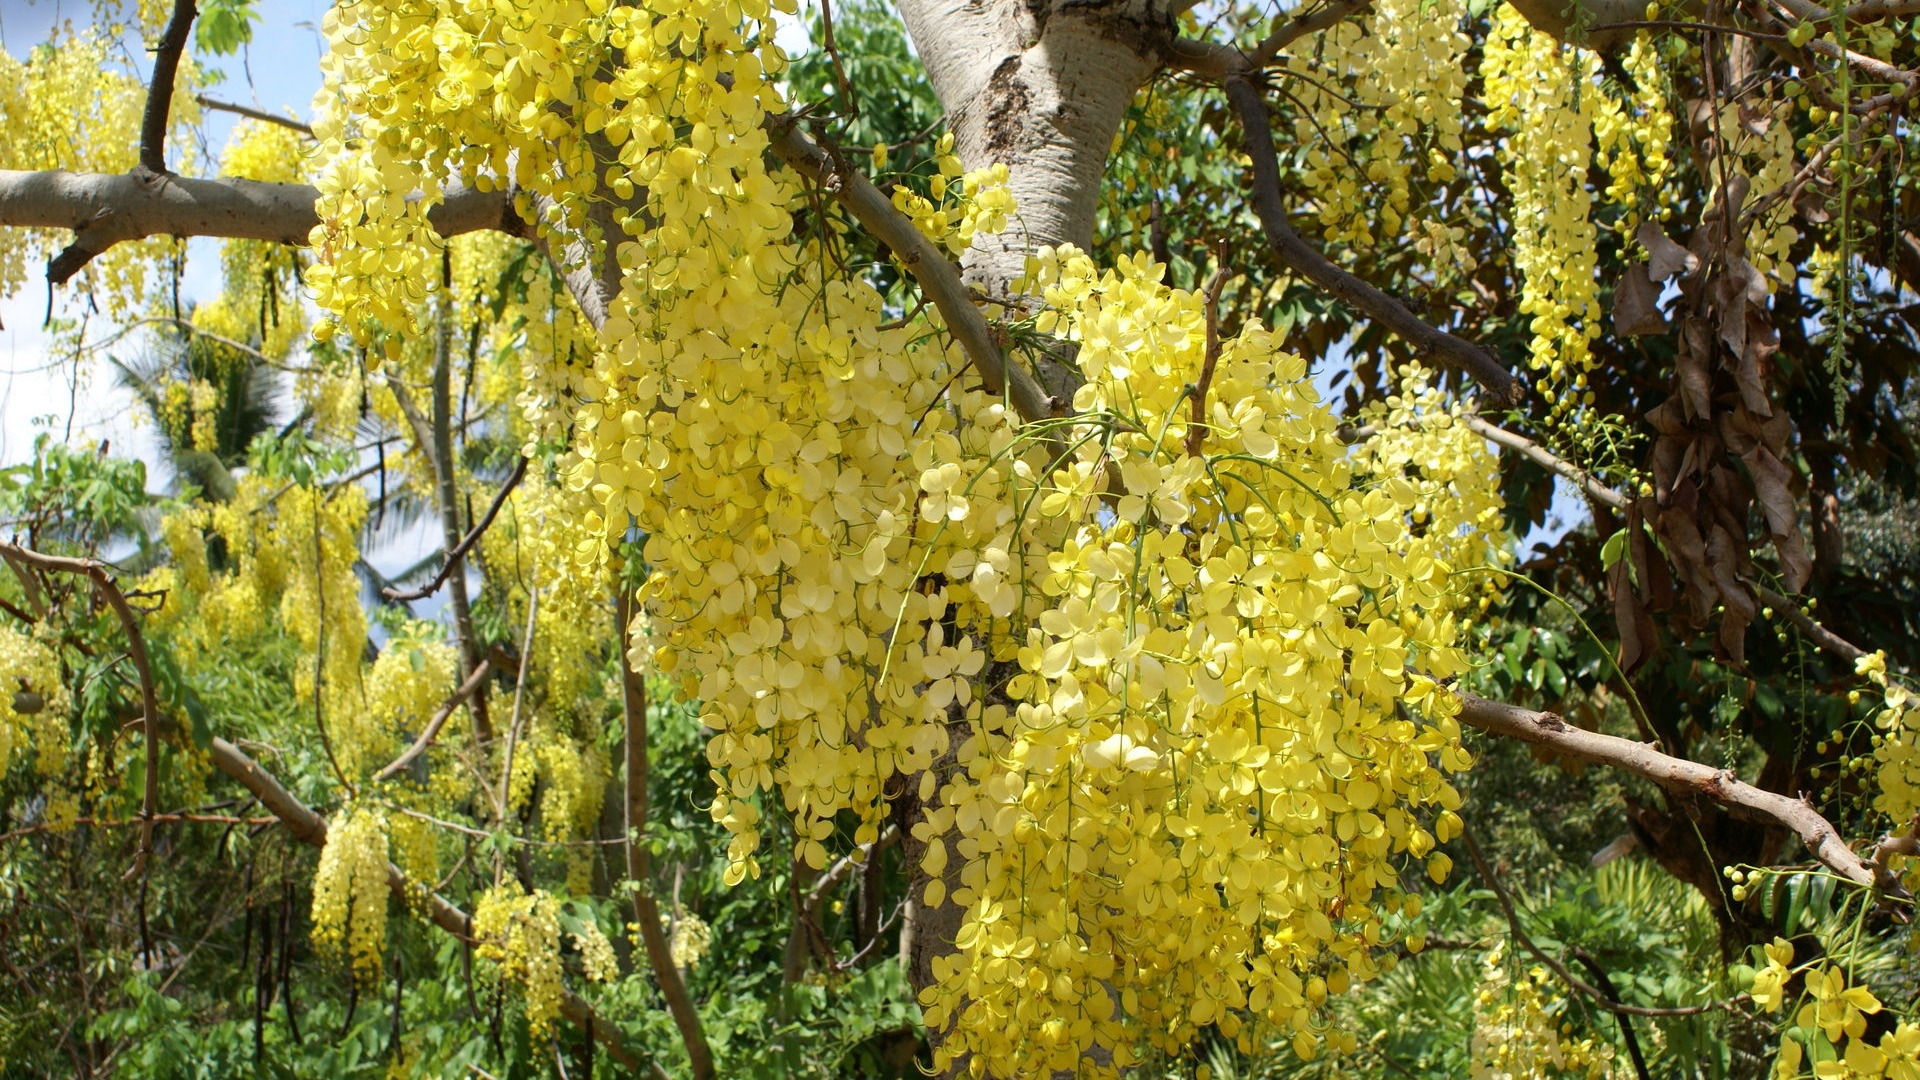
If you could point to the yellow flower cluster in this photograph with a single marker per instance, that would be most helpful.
(1382, 110)
(260, 299)
(1540, 94)
(1831, 1024)
(403, 688)
(519, 934)
(689, 937)
(1897, 745)
(1518, 1030)
(1169, 687)
(1761, 140)
(1633, 141)
(33, 701)
(962, 206)
(350, 890)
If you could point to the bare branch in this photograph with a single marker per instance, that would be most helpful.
(1197, 423)
(105, 209)
(937, 275)
(835, 874)
(432, 729)
(1683, 778)
(1807, 624)
(646, 911)
(1548, 460)
(466, 543)
(252, 113)
(1214, 61)
(1456, 352)
(1607, 496)
(166, 65)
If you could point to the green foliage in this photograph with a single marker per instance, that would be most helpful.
(224, 26)
(75, 496)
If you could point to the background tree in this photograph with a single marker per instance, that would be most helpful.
(1046, 650)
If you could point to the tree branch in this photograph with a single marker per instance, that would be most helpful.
(106, 209)
(453, 557)
(1683, 778)
(252, 113)
(1214, 61)
(432, 729)
(937, 276)
(1197, 422)
(1298, 256)
(166, 65)
(1548, 460)
(1600, 998)
(109, 590)
(1807, 624)
(646, 912)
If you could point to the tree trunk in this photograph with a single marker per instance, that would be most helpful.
(1041, 88)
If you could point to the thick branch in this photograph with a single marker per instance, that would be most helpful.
(166, 64)
(1298, 256)
(937, 276)
(105, 209)
(1686, 779)
(310, 828)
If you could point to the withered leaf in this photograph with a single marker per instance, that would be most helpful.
(1637, 636)
(1664, 257)
(1773, 489)
(1636, 304)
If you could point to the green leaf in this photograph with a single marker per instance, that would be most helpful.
(1613, 549)
(224, 26)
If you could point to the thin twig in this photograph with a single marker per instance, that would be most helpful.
(1600, 998)
(1197, 424)
(512, 838)
(1548, 460)
(519, 690)
(310, 828)
(432, 730)
(109, 590)
(159, 819)
(835, 874)
(252, 113)
(454, 557)
(1818, 634)
(1681, 24)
